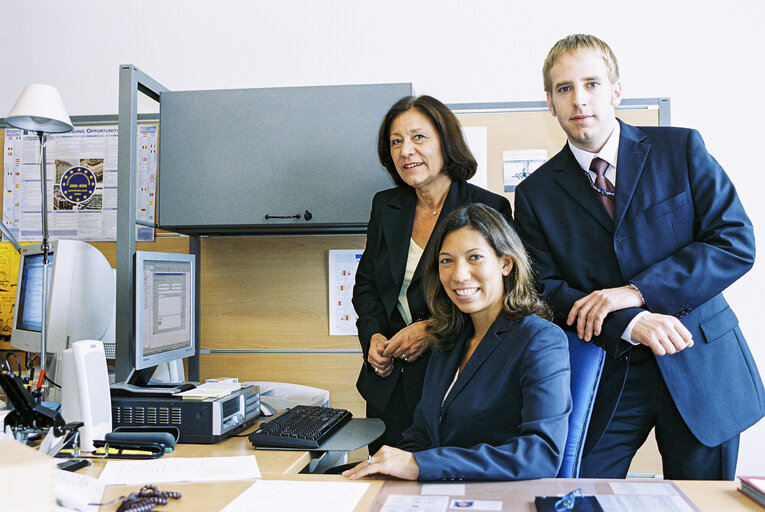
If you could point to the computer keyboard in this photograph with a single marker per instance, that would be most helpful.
(302, 427)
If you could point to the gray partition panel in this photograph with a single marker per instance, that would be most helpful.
(230, 159)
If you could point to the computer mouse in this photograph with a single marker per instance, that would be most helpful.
(266, 410)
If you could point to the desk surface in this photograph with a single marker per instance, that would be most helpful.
(284, 465)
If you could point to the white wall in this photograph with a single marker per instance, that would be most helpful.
(705, 56)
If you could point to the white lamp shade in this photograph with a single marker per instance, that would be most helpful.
(40, 109)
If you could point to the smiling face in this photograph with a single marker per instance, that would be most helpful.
(415, 148)
(583, 98)
(472, 274)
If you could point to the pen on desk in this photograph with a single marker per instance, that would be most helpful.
(122, 451)
(41, 379)
(113, 451)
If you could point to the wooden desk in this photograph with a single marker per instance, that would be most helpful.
(519, 496)
(212, 497)
(269, 461)
(273, 464)
(516, 496)
(285, 465)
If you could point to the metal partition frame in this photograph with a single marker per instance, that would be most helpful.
(662, 104)
(131, 82)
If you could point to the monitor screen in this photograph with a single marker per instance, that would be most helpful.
(29, 305)
(80, 297)
(164, 308)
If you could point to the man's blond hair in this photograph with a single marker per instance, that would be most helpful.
(574, 43)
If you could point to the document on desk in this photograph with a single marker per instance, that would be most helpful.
(73, 490)
(415, 503)
(294, 496)
(179, 469)
(641, 496)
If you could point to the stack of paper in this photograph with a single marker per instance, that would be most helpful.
(209, 390)
(26, 478)
(754, 487)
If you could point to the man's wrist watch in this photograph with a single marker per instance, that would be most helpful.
(633, 286)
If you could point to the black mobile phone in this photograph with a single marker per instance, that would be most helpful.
(73, 464)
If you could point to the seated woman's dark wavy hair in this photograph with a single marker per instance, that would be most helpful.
(521, 298)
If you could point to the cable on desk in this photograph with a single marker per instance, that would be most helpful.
(7, 365)
(142, 501)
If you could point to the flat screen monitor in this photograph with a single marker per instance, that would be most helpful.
(164, 311)
(81, 297)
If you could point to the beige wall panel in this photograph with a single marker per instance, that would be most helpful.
(336, 373)
(531, 130)
(269, 292)
(163, 244)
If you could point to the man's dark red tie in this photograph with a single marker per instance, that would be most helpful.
(599, 166)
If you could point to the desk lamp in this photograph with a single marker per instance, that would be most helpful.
(40, 109)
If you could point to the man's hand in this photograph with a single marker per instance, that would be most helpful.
(380, 363)
(409, 343)
(387, 461)
(589, 312)
(663, 334)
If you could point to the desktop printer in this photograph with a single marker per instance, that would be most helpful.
(282, 395)
(199, 421)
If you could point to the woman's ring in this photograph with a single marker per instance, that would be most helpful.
(369, 459)
(404, 358)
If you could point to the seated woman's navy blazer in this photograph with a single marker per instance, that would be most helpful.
(506, 416)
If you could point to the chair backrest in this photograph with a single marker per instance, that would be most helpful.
(586, 366)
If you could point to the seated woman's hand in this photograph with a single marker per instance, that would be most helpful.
(409, 343)
(387, 461)
(380, 363)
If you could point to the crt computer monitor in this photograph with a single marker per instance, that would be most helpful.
(80, 298)
(164, 312)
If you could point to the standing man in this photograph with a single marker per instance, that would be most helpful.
(634, 233)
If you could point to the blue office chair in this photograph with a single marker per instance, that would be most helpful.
(586, 366)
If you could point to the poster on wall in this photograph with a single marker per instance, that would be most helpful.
(81, 184)
(342, 275)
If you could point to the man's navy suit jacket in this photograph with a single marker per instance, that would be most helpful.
(681, 235)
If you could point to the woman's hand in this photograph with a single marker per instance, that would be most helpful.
(409, 343)
(388, 461)
(380, 363)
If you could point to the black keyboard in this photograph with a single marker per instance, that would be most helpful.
(303, 427)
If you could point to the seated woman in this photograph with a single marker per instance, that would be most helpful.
(496, 398)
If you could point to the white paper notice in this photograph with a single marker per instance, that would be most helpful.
(342, 275)
(81, 183)
(414, 502)
(447, 489)
(517, 165)
(178, 469)
(289, 496)
(476, 139)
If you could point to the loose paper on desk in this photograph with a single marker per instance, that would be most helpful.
(82, 488)
(641, 496)
(289, 496)
(208, 390)
(415, 502)
(178, 469)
